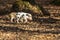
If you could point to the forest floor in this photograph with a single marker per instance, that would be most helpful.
(43, 28)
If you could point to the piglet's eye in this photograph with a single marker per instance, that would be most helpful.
(28, 15)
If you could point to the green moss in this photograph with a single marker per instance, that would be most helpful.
(27, 6)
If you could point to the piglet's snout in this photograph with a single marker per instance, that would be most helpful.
(30, 19)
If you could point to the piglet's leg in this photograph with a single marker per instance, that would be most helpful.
(21, 20)
(17, 20)
(25, 20)
(12, 19)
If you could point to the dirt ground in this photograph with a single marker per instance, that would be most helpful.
(7, 35)
(40, 29)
